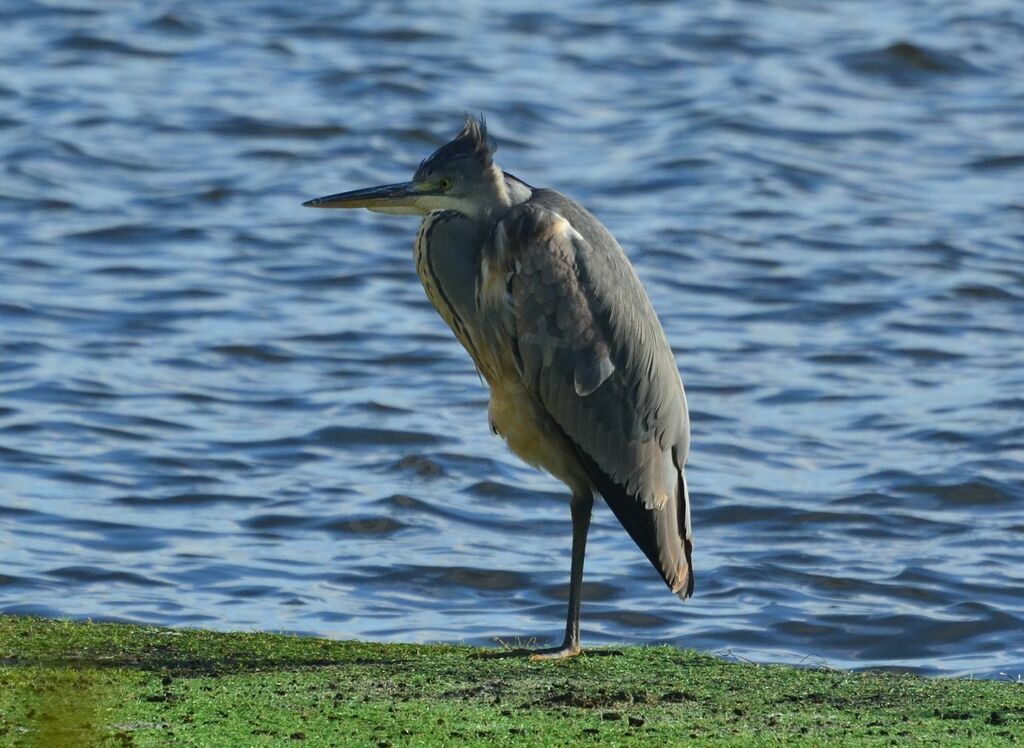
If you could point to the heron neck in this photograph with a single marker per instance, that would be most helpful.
(518, 191)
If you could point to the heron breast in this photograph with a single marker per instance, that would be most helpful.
(532, 435)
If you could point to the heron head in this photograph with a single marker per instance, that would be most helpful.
(460, 175)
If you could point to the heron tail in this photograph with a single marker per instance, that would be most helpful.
(683, 519)
(662, 533)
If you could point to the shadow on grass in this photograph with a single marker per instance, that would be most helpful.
(192, 666)
(504, 654)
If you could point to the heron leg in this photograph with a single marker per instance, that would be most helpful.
(582, 504)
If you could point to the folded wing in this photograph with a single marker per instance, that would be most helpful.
(590, 346)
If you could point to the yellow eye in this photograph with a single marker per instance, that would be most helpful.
(445, 184)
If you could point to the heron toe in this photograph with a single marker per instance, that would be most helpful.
(556, 653)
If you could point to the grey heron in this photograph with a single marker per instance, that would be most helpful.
(582, 381)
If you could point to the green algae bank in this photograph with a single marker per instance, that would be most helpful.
(80, 684)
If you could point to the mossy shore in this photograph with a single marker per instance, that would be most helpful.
(81, 684)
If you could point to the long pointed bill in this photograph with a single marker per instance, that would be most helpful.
(389, 198)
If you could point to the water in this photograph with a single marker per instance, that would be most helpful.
(218, 409)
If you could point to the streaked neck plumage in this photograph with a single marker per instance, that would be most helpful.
(447, 249)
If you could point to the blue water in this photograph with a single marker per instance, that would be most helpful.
(219, 409)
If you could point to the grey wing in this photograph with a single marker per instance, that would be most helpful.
(591, 347)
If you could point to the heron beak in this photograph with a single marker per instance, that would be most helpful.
(389, 198)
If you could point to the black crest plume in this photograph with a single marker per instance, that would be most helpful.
(476, 140)
(472, 142)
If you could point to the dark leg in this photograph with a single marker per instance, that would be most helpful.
(581, 505)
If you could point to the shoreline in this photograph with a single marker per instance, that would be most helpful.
(64, 682)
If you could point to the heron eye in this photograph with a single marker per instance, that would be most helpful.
(445, 184)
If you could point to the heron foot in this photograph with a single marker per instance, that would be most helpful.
(556, 653)
(535, 655)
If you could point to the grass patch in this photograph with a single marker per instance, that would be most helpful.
(64, 683)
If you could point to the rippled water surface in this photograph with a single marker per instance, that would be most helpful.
(219, 409)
